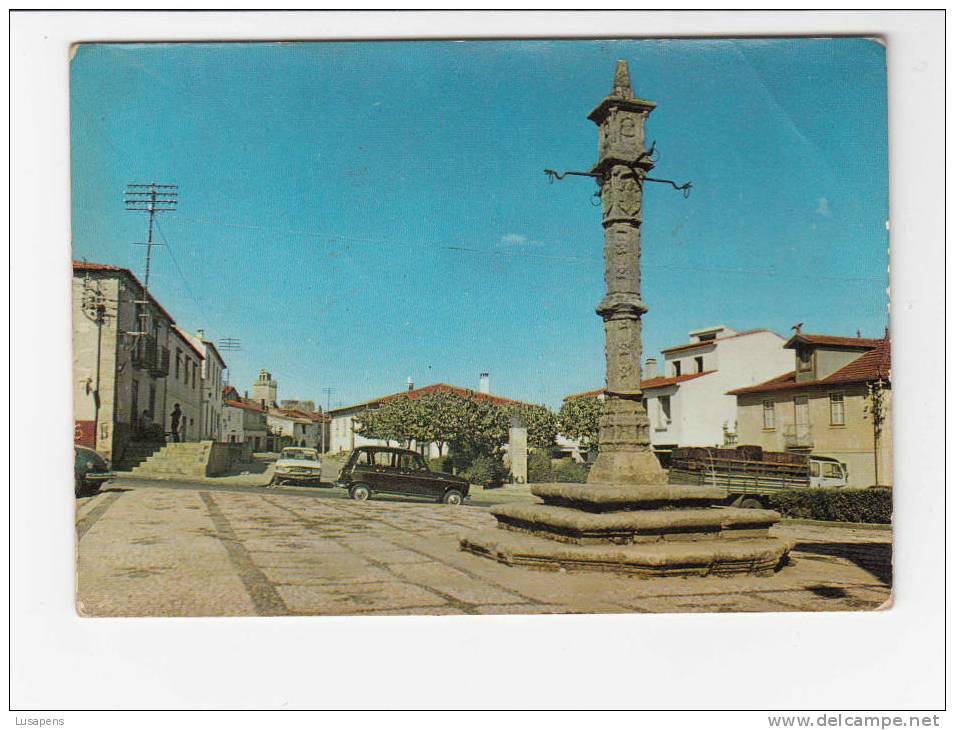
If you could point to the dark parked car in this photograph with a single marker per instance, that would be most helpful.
(90, 470)
(373, 469)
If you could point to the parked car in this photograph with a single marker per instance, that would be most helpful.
(90, 471)
(373, 469)
(297, 465)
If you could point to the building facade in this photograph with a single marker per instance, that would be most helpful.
(184, 386)
(123, 345)
(687, 402)
(294, 428)
(247, 421)
(211, 376)
(822, 405)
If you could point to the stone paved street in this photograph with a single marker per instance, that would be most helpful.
(200, 551)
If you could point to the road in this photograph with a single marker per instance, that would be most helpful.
(257, 485)
(149, 548)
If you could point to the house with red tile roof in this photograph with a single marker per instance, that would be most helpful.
(344, 438)
(687, 402)
(245, 421)
(820, 404)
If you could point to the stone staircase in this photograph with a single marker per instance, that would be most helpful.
(136, 453)
(188, 459)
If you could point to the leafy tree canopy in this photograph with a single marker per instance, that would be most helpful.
(579, 419)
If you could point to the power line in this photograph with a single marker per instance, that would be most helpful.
(176, 263)
(151, 198)
(520, 254)
(703, 269)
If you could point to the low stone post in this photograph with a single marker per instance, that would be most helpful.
(517, 450)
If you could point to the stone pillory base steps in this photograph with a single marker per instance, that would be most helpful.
(651, 530)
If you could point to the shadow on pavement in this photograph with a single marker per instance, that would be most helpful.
(874, 557)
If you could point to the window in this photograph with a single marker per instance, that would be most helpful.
(383, 458)
(178, 361)
(803, 359)
(801, 404)
(699, 363)
(664, 407)
(814, 468)
(831, 470)
(676, 367)
(769, 415)
(410, 462)
(194, 369)
(837, 409)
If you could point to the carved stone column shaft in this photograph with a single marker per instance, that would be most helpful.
(624, 453)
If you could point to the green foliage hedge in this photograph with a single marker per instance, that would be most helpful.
(486, 470)
(568, 470)
(539, 467)
(441, 463)
(837, 505)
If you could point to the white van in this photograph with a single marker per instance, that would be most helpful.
(824, 471)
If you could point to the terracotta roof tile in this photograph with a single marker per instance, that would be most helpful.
(586, 394)
(660, 381)
(243, 405)
(89, 266)
(833, 341)
(657, 382)
(869, 366)
(439, 388)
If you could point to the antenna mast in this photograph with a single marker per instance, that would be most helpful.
(149, 198)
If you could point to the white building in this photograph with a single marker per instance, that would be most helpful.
(295, 428)
(210, 406)
(687, 403)
(233, 427)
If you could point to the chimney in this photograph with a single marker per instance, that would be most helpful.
(201, 334)
(650, 369)
(410, 383)
(484, 383)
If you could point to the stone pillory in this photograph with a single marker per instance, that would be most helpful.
(627, 518)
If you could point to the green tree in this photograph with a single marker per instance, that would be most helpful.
(579, 419)
(392, 420)
(875, 411)
(541, 424)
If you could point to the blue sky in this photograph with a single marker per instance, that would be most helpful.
(357, 213)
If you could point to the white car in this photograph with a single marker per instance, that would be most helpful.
(297, 465)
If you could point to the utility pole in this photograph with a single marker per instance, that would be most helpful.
(94, 307)
(229, 344)
(151, 198)
(328, 404)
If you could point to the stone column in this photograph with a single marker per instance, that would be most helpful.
(517, 451)
(624, 453)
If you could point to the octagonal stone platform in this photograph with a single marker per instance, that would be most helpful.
(645, 530)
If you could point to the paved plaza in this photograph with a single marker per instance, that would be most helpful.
(197, 550)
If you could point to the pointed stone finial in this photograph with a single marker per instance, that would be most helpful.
(621, 81)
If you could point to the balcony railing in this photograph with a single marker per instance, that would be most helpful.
(797, 437)
(150, 356)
